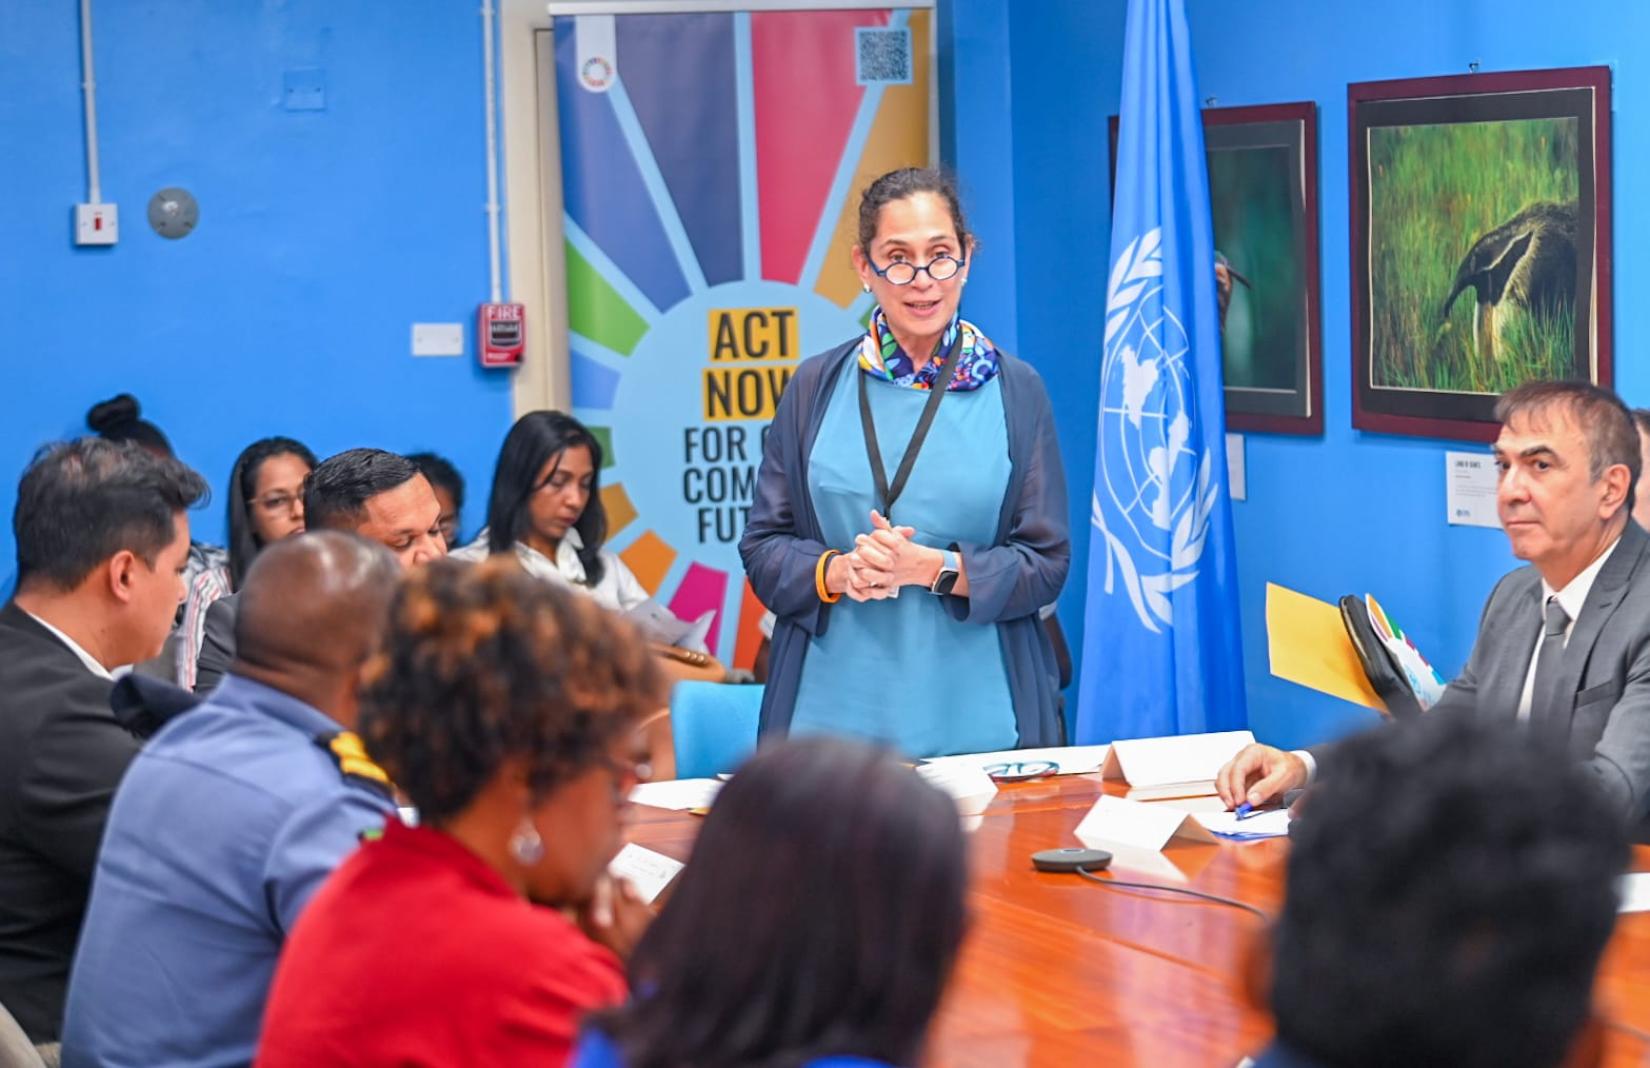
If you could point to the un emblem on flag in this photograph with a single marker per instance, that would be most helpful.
(1154, 496)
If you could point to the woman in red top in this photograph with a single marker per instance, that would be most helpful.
(505, 709)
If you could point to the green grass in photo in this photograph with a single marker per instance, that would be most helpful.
(1434, 191)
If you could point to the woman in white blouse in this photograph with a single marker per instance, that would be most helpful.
(545, 506)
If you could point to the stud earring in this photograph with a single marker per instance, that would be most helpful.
(526, 845)
(865, 286)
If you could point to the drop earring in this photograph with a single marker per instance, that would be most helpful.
(866, 286)
(526, 845)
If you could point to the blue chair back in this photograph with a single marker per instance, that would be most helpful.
(713, 725)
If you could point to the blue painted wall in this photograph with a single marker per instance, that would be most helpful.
(323, 234)
(977, 144)
(1350, 512)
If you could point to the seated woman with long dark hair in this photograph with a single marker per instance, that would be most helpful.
(814, 927)
(504, 709)
(266, 504)
(546, 508)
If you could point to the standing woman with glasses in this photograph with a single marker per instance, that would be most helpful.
(910, 514)
(266, 504)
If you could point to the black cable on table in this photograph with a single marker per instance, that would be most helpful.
(1216, 898)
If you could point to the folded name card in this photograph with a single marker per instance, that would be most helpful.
(648, 871)
(969, 786)
(1184, 758)
(1119, 822)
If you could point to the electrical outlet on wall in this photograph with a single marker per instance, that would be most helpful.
(438, 339)
(96, 224)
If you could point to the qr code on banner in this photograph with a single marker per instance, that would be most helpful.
(882, 56)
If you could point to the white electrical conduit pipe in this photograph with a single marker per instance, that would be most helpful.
(492, 148)
(88, 88)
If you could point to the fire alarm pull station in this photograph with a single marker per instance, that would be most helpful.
(503, 332)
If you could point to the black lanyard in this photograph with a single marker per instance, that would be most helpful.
(887, 494)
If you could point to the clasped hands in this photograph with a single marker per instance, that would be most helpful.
(883, 559)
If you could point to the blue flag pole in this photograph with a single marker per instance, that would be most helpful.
(1162, 652)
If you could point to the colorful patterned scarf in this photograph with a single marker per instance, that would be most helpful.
(881, 357)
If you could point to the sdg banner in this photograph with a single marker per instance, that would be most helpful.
(711, 169)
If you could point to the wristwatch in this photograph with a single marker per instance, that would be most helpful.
(950, 566)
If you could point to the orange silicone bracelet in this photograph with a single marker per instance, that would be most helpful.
(819, 577)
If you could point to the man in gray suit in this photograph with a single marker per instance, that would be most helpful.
(1564, 644)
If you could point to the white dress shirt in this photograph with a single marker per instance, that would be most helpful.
(619, 588)
(86, 658)
(1570, 598)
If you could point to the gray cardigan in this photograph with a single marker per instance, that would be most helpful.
(1008, 580)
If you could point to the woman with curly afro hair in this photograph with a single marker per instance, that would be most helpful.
(504, 708)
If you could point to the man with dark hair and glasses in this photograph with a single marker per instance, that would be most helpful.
(102, 537)
(376, 494)
(1563, 646)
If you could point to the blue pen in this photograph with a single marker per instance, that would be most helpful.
(1244, 811)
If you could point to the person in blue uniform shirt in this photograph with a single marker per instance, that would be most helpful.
(909, 518)
(232, 816)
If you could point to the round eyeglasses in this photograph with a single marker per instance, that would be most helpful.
(1021, 771)
(904, 272)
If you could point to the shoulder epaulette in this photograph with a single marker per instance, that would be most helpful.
(353, 761)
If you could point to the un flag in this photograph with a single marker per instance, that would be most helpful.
(1162, 652)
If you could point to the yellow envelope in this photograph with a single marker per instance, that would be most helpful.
(1309, 645)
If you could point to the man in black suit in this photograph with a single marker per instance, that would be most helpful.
(1563, 646)
(102, 539)
(376, 494)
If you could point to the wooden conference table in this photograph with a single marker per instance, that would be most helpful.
(1058, 971)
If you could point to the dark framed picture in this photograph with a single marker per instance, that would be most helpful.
(1480, 244)
(1263, 193)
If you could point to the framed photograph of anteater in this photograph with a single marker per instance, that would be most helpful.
(1263, 193)
(1480, 244)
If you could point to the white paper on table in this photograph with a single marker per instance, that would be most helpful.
(1635, 892)
(648, 871)
(1192, 804)
(1272, 823)
(1118, 823)
(1182, 758)
(678, 794)
(971, 788)
(1072, 759)
(661, 624)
